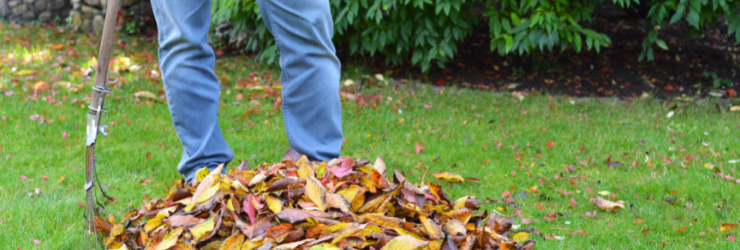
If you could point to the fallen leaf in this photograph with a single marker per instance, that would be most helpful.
(683, 229)
(419, 148)
(405, 242)
(550, 144)
(145, 94)
(65, 135)
(638, 221)
(427, 106)
(36, 241)
(447, 176)
(727, 226)
(731, 238)
(606, 204)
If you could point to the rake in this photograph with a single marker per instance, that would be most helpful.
(100, 89)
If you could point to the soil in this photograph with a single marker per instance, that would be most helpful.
(615, 71)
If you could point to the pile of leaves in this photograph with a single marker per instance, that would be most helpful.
(301, 204)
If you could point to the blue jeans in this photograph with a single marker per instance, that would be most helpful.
(310, 78)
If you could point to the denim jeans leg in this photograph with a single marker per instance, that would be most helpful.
(186, 61)
(312, 111)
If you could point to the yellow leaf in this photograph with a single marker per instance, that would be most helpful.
(460, 203)
(432, 228)
(206, 184)
(404, 243)
(169, 240)
(724, 227)
(316, 192)
(202, 173)
(118, 230)
(202, 229)
(208, 194)
(447, 176)
(735, 108)
(304, 169)
(152, 224)
(520, 237)
(383, 221)
(274, 203)
(350, 193)
(325, 246)
(234, 242)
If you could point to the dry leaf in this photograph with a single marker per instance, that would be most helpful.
(606, 204)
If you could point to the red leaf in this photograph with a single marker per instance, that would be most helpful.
(573, 203)
(505, 194)
(23, 177)
(37, 241)
(249, 209)
(65, 135)
(731, 238)
(669, 88)
(80, 204)
(148, 155)
(681, 229)
(419, 148)
(550, 217)
(731, 93)
(426, 106)
(340, 171)
(550, 144)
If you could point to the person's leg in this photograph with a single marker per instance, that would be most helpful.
(312, 112)
(190, 84)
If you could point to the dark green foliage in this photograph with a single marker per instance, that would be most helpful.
(424, 32)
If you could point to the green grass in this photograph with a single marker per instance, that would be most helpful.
(459, 132)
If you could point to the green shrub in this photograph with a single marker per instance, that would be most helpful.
(426, 32)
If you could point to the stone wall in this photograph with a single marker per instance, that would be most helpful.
(89, 15)
(34, 10)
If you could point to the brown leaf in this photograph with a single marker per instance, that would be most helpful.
(263, 224)
(294, 216)
(606, 204)
(284, 184)
(183, 221)
(338, 201)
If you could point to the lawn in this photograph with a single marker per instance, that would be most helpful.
(674, 163)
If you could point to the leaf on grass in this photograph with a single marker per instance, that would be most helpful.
(447, 176)
(607, 204)
(727, 226)
(145, 94)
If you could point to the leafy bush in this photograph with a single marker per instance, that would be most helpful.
(426, 32)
